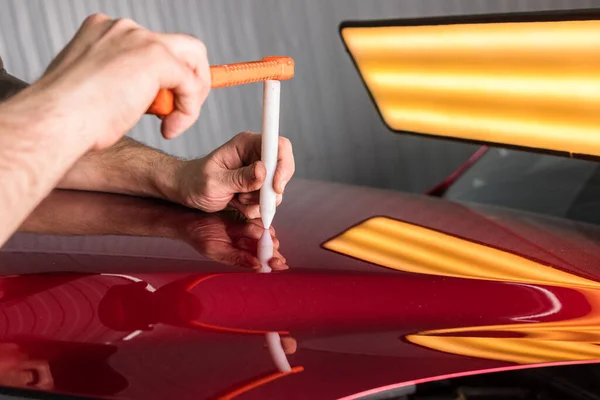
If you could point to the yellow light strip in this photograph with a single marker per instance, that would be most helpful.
(524, 84)
(406, 247)
(494, 39)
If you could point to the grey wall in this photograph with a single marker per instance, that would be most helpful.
(326, 112)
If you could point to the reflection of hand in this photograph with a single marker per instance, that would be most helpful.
(231, 242)
(219, 237)
(232, 175)
(17, 370)
(289, 345)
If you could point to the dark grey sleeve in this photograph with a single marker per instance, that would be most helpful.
(9, 85)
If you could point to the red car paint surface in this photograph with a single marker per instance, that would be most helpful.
(117, 298)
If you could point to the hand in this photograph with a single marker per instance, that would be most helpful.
(223, 237)
(232, 175)
(227, 242)
(17, 370)
(108, 75)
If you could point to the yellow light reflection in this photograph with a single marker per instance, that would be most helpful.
(406, 247)
(574, 339)
(524, 84)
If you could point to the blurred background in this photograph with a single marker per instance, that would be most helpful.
(326, 112)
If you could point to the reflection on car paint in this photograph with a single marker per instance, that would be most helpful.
(165, 331)
(411, 248)
(534, 342)
(244, 304)
(401, 246)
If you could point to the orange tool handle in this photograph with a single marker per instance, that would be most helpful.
(269, 68)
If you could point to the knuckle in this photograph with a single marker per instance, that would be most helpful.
(212, 158)
(245, 134)
(244, 137)
(141, 35)
(94, 19)
(238, 179)
(124, 24)
(202, 48)
(153, 47)
(208, 183)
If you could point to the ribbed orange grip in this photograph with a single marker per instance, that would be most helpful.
(269, 68)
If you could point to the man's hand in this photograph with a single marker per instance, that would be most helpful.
(112, 70)
(232, 176)
(231, 243)
(91, 95)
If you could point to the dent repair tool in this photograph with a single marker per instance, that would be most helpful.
(270, 70)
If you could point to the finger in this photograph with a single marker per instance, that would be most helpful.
(278, 261)
(38, 374)
(254, 228)
(249, 198)
(250, 231)
(193, 53)
(289, 345)
(248, 244)
(277, 254)
(285, 165)
(45, 380)
(254, 198)
(249, 234)
(245, 179)
(277, 264)
(251, 245)
(187, 106)
(230, 255)
(248, 146)
(92, 28)
(190, 92)
(250, 212)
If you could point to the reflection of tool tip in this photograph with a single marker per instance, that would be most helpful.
(267, 216)
(277, 352)
(264, 251)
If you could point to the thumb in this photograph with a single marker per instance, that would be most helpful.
(246, 179)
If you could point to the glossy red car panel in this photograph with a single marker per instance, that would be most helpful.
(110, 302)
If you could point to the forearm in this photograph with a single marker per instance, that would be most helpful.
(34, 154)
(80, 213)
(128, 167)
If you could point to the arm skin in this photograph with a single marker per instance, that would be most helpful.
(128, 167)
(33, 155)
(29, 155)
